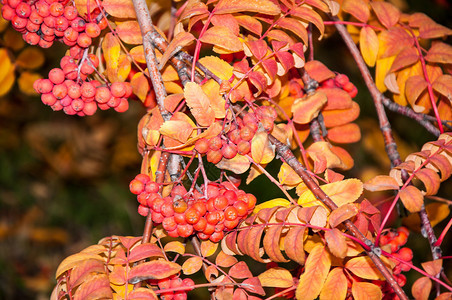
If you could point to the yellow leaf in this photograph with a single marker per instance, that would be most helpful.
(83, 5)
(223, 38)
(276, 277)
(26, 80)
(335, 287)
(217, 66)
(111, 49)
(119, 8)
(368, 44)
(199, 104)
(323, 156)
(124, 67)
(177, 129)
(341, 192)
(212, 89)
(7, 80)
(261, 149)
(30, 58)
(366, 291)
(208, 248)
(288, 176)
(259, 6)
(336, 242)
(317, 267)
(175, 246)
(192, 265)
(140, 85)
(381, 70)
(363, 267)
(6, 64)
(381, 183)
(271, 203)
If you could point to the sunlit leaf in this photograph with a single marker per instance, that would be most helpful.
(336, 242)
(224, 260)
(175, 246)
(341, 116)
(199, 104)
(234, 6)
(293, 244)
(421, 288)
(381, 183)
(73, 260)
(307, 108)
(119, 8)
(181, 40)
(368, 44)
(433, 267)
(140, 85)
(95, 287)
(238, 164)
(439, 53)
(366, 291)
(222, 37)
(345, 134)
(357, 8)
(143, 251)
(363, 267)
(155, 269)
(288, 176)
(342, 213)
(317, 267)
(335, 287)
(318, 71)
(192, 265)
(271, 203)
(129, 32)
(261, 149)
(240, 270)
(208, 248)
(142, 293)
(276, 277)
(386, 13)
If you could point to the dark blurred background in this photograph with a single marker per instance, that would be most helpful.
(64, 179)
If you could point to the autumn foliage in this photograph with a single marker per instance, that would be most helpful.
(234, 85)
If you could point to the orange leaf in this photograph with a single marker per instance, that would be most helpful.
(368, 44)
(208, 248)
(421, 288)
(381, 183)
(414, 87)
(192, 265)
(84, 270)
(237, 6)
(143, 251)
(432, 30)
(341, 116)
(137, 54)
(335, 287)
(323, 156)
(439, 53)
(444, 296)
(119, 8)
(181, 40)
(342, 213)
(430, 179)
(83, 5)
(124, 67)
(366, 291)
(175, 246)
(155, 269)
(318, 71)
(95, 287)
(223, 39)
(293, 244)
(249, 23)
(296, 27)
(271, 243)
(199, 104)
(433, 267)
(240, 270)
(224, 260)
(345, 157)
(412, 198)
(307, 108)
(443, 85)
(261, 149)
(341, 192)
(316, 271)
(238, 165)
(357, 8)
(253, 285)
(140, 85)
(381, 70)
(310, 15)
(276, 277)
(172, 101)
(177, 129)
(212, 90)
(336, 242)
(393, 40)
(337, 99)
(344, 134)
(386, 13)
(75, 259)
(405, 58)
(30, 58)
(363, 267)
(26, 80)
(129, 32)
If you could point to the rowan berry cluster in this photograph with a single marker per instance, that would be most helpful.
(67, 89)
(239, 135)
(341, 81)
(44, 21)
(392, 241)
(183, 214)
(174, 282)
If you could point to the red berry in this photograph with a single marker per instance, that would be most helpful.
(45, 86)
(178, 190)
(242, 208)
(192, 215)
(77, 104)
(214, 156)
(348, 87)
(251, 200)
(88, 90)
(200, 206)
(231, 224)
(70, 12)
(234, 136)
(231, 196)
(202, 145)
(136, 186)
(246, 133)
(18, 22)
(169, 224)
(213, 217)
(56, 75)
(188, 282)
(78, 24)
(210, 228)
(8, 12)
(59, 91)
(405, 254)
(118, 89)
(230, 213)
(212, 190)
(143, 210)
(92, 30)
(216, 236)
(152, 187)
(48, 99)
(220, 202)
(341, 80)
(215, 143)
(229, 150)
(61, 23)
(23, 10)
(200, 225)
(180, 295)
(123, 105)
(185, 230)
(157, 217)
(84, 40)
(180, 206)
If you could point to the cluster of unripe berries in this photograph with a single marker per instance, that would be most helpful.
(239, 135)
(392, 241)
(341, 81)
(44, 21)
(183, 214)
(174, 282)
(66, 88)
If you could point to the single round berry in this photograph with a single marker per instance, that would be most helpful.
(23, 10)
(185, 230)
(200, 225)
(92, 30)
(229, 150)
(215, 143)
(59, 91)
(56, 76)
(169, 224)
(231, 213)
(242, 208)
(192, 216)
(202, 145)
(143, 210)
(220, 202)
(136, 186)
(214, 156)
(88, 90)
(118, 89)
(180, 206)
(246, 133)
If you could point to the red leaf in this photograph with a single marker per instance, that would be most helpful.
(381, 183)
(318, 71)
(156, 269)
(293, 244)
(142, 293)
(337, 99)
(345, 134)
(95, 287)
(144, 251)
(129, 241)
(224, 260)
(271, 243)
(258, 48)
(240, 270)
(83, 270)
(439, 53)
(310, 15)
(250, 24)
(253, 285)
(296, 27)
(405, 58)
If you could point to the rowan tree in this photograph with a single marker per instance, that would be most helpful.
(236, 86)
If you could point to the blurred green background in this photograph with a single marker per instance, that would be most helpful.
(64, 179)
